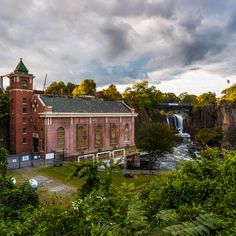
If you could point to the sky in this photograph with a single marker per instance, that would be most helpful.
(176, 45)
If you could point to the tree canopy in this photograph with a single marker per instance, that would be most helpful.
(4, 107)
(60, 88)
(111, 93)
(206, 98)
(157, 139)
(87, 87)
(229, 93)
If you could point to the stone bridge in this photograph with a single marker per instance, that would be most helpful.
(173, 106)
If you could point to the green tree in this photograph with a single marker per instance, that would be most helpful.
(170, 98)
(206, 98)
(111, 93)
(87, 87)
(157, 139)
(4, 107)
(187, 98)
(57, 88)
(70, 87)
(204, 186)
(229, 93)
(3, 162)
(140, 95)
(210, 137)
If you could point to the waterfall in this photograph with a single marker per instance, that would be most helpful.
(179, 125)
(167, 120)
(179, 122)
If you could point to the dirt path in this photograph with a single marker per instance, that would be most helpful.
(47, 184)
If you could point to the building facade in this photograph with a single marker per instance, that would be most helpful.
(77, 126)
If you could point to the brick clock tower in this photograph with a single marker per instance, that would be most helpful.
(20, 92)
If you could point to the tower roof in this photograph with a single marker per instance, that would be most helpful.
(21, 68)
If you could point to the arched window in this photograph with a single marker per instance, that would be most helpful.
(127, 133)
(60, 139)
(82, 136)
(114, 135)
(98, 136)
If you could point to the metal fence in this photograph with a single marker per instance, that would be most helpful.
(34, 159)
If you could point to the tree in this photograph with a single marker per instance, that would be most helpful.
(111, 93)
(157, 139)
(3, 162)
(170, 98)
(229, 93)
(57, 88)
(204, 186)
(187, 98)
(140, 95)
(210, 137)
(206, 98)
(60, 88)
(4, 107)
(87, 87)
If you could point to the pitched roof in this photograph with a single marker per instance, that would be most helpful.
(79, 105)
(21, 68)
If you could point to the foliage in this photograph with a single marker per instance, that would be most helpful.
(4, 107)
(87, 87)
(203, 225)
(206, 98)
(188, 98)
(60, 88)
(3, 162)
(170, 98)
(229, 93)
(205, 186)
(111, 93)
(157, 139)
(210, 137)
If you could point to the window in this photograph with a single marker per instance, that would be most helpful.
(81, 136)
(24, 84)
(98, 136)
(127, 134)
(60, 139)
(24, 110)
(24, 100)
(24, 141)
(113, 134)
(24, 131)
(24, 121)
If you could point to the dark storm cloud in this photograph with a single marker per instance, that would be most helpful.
(129, 8)
(118, 40)
(232, 22)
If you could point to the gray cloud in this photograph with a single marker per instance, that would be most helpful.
(117, 41)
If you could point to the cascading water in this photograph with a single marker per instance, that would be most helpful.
(179, 125)
(180, 153)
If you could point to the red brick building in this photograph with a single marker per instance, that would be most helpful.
(76, 126)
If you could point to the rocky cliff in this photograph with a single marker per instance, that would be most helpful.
(222, 115)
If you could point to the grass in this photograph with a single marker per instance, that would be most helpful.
(61, 175)
(63, 172)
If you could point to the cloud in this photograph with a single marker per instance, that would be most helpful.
(118, 41)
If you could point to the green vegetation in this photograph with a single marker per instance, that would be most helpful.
(206, 98)
(60, 88)
(209, 137)
(111, 93)
(157, 139)
(197, 199)
(4, 107)
(87, 87)
(229, 93)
